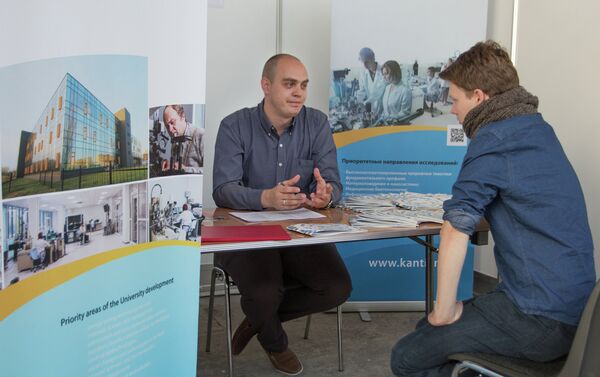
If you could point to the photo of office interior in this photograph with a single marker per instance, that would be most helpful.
(175, 208)
(48, 231)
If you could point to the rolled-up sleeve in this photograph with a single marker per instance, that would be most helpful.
(325, 157)
(461, 220)
(482, 176)
(228, 171)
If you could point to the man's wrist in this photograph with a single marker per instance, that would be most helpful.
(329, 205)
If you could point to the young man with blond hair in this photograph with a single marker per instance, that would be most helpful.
(516, 175)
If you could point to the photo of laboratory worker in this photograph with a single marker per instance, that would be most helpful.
(396, 101)
(376, 94)
(388, 94)
(44, 232)
(176, 140)
(175, 208)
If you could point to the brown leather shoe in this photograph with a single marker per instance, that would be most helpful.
(242, 336)
(286, 362)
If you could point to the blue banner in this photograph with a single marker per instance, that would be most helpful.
(396, 159)
(117, 313)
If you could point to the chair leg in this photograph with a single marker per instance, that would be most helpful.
(339, 334)
(228, 325)
(307, 328)
(211, 301)
(458, 369)
(469, 365)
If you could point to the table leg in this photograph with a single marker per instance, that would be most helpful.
(429, 250)
(428, 275)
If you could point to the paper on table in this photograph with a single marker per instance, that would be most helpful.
(296, 214)
(318, 230)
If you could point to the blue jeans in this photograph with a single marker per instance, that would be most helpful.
(490, 323)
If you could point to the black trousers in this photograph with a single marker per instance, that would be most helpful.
(260, 275)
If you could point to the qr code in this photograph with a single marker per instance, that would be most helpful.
(456, 136)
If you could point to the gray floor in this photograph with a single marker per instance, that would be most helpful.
(367, 345)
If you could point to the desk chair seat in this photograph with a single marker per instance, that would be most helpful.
(218, 272)
(432, 99)
(496, 365)
(582, 359)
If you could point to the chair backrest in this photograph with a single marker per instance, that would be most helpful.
(583, 357)
(34, 254)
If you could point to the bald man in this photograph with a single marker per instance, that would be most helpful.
(279, 155)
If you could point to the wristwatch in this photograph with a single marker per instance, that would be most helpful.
(330, 204)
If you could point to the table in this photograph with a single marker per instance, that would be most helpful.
(221, 217)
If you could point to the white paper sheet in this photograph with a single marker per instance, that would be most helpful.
(296, 214)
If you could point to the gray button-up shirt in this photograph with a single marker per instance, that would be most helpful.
(250, 156)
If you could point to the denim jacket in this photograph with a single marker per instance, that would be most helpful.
(516, 175)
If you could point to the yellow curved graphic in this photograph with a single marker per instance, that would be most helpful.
(15, 296)
(342, 139)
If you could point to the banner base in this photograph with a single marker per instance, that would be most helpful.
(383, 306)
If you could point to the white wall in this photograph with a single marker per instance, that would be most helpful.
(89, 213)
(499, 28)
(241, 37)
(311, 44)
(558, 57)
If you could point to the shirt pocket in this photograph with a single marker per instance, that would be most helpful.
(304, 168)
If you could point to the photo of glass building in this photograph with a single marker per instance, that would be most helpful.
(76, 131)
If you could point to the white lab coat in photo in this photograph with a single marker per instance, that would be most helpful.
(397, 101)
(371, 90)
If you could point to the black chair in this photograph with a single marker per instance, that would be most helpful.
(433, 99)
(42, 260)
(218, 272)
(582, 360)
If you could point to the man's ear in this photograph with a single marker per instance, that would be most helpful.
(265, 84)
(481, 95)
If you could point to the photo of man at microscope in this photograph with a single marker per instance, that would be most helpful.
(176, 140)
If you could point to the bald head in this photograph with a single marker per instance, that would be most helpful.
(284, 83)
(271, 64)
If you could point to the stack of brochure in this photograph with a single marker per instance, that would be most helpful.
(416, 201)
(407, 209)
(317, 230)
(369, 202)
(396, 218)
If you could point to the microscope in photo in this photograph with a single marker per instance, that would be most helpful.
(171, 220)
(177, 150)
(346, 111)
(160, 146)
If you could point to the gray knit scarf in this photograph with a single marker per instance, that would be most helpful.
(516, 101)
